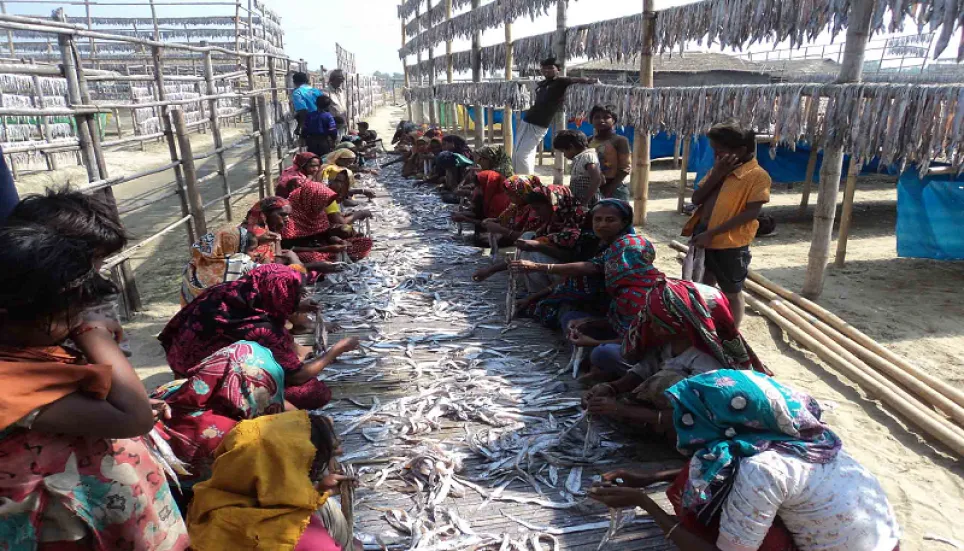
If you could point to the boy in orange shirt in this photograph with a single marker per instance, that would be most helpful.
(729, 200)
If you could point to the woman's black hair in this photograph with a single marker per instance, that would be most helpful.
(536, 198)
(46, 274)
(550, 61)
(458, 141)
(323, 437)
(323, 103)
(570, 139)
(73, 214)
(299, 78)
(732, 135)
(605, 110)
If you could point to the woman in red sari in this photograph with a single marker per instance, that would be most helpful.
(303, 169)
(309, 231)
(489, 199)
(253, 308)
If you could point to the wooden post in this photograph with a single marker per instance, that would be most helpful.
(44, 122)
(452, 112)
(265, 142)
(190, 172)
(492, 125)
(432, 106)
(507, 136)
(192, 235)
(211, 90)
(683, 174)
(850, 71)
(419, 106)
(641, 149)
(808, 179)
(278, 111)
(90, 27)
(257, 123)
(408, 82)
(74, 98)
(477, 77)
(676, 146)
(157, 32)
(559, 164)
(847, 212)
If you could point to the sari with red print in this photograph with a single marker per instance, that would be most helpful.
(520, 217)
(256, 222)
(676, 307)
(253, 308)
(292, 177)
(309, 221)
(568, 217)
(241, 381)
(629, 273)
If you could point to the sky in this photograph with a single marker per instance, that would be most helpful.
(370, 28)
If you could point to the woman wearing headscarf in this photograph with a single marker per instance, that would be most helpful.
(271, 488)
(519, 217)
(217, 258)
(765, 474)
(683, 329)
(332, 172)
(555, 241)
(309, 232)
(488, 198)
(494, 158)
(265, 221)
(303, 169)
(253, 308)
(240, 381)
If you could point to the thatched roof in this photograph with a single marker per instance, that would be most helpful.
(687, 62)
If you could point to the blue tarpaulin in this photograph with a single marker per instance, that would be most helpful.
(930, 216)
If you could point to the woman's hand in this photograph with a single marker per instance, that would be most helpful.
(618, 497)
(605, 406)
(492, 226)
(361, 214)
(308, 305)
(459, 217)
(162, 411)
(331, 482)
(525, 266)
(527, 244)
(579, 339)
(346, 345)
(269, 237)
(602, 390)
(368, 193)
(630, 479)
(336, 248)
(577, 324)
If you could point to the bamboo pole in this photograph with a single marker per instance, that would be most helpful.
(559, 50)
(900, 401)
(216, 130)
(419, 106)
(507, 135)
(265, 143)
(408, 82)
(492, 125)
(43, 122)
(676, 148)
(190, 171)
(683, 174)
(74, 99)
(641, 151)
(157, 33)
(192, 235)
(432, 106)
(858, 31)
(477, 77)
(808, 179)
(450, 71)
(13, 50)
(847, 211)
(278, 111)
(256, 125)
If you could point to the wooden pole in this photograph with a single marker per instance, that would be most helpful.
(216, 131)
(432, 106)
(256, 125)
(641, 149)
(507, 136)
(450, 71)
(408, 82)
(850, 71)
(419, 106)
(559, 47)
(847, 211)
(265, 142)
(683, 174)
(192, 235)
(278, 111)
(157, 32)
(90, 27)
(808, 178)
(44, 122)
(13, 51)
(492, 125)
(190, 172)
(74, 98)
(477, 77)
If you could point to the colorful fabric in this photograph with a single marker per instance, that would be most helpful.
(305, 98)
(329, 172)
(749, 183)
(293, 177)
(216, 258)
(568, 217)
(615, 155)
(629, 272)
(253, 308)
(677, 308)
(494, 197)
(34, 377)
(260, 494)
(340, 154)
(256, 222)
(520, 219)
(519, 185)
(498, 158)
(240, 381)
(308, 217)
(723, 416)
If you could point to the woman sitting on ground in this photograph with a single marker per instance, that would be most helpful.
(413, 163)
(678, 333)
(255, 308)
(304, 168)
(766, 474)
(265, 222)
(494, 158)
(240, 381)
(218, 258)
(77, 473)
(346, 158)
(310, 233)
(519, 218)
(488, 199)
(273, 479)
(333, 172)
(450, 162)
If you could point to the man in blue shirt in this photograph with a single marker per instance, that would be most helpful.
(303, 99)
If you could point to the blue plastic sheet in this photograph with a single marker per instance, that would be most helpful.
(930, 216)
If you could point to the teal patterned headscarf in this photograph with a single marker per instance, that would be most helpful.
(726, 415)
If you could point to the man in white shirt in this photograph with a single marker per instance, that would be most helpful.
(339, 100)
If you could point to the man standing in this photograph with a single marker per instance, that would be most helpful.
(304, 99)
(615, 156)
(339, 100)
(550, 95)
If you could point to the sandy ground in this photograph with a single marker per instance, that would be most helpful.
(908, 305)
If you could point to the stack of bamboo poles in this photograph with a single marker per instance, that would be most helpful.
(926, 401)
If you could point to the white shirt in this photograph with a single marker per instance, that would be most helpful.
(339, 102)
(839, 506)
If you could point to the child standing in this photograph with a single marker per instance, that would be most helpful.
(321, 130)
(586, 178)
(729, 200)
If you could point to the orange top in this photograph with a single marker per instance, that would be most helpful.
(749, 183)
(34, 377)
